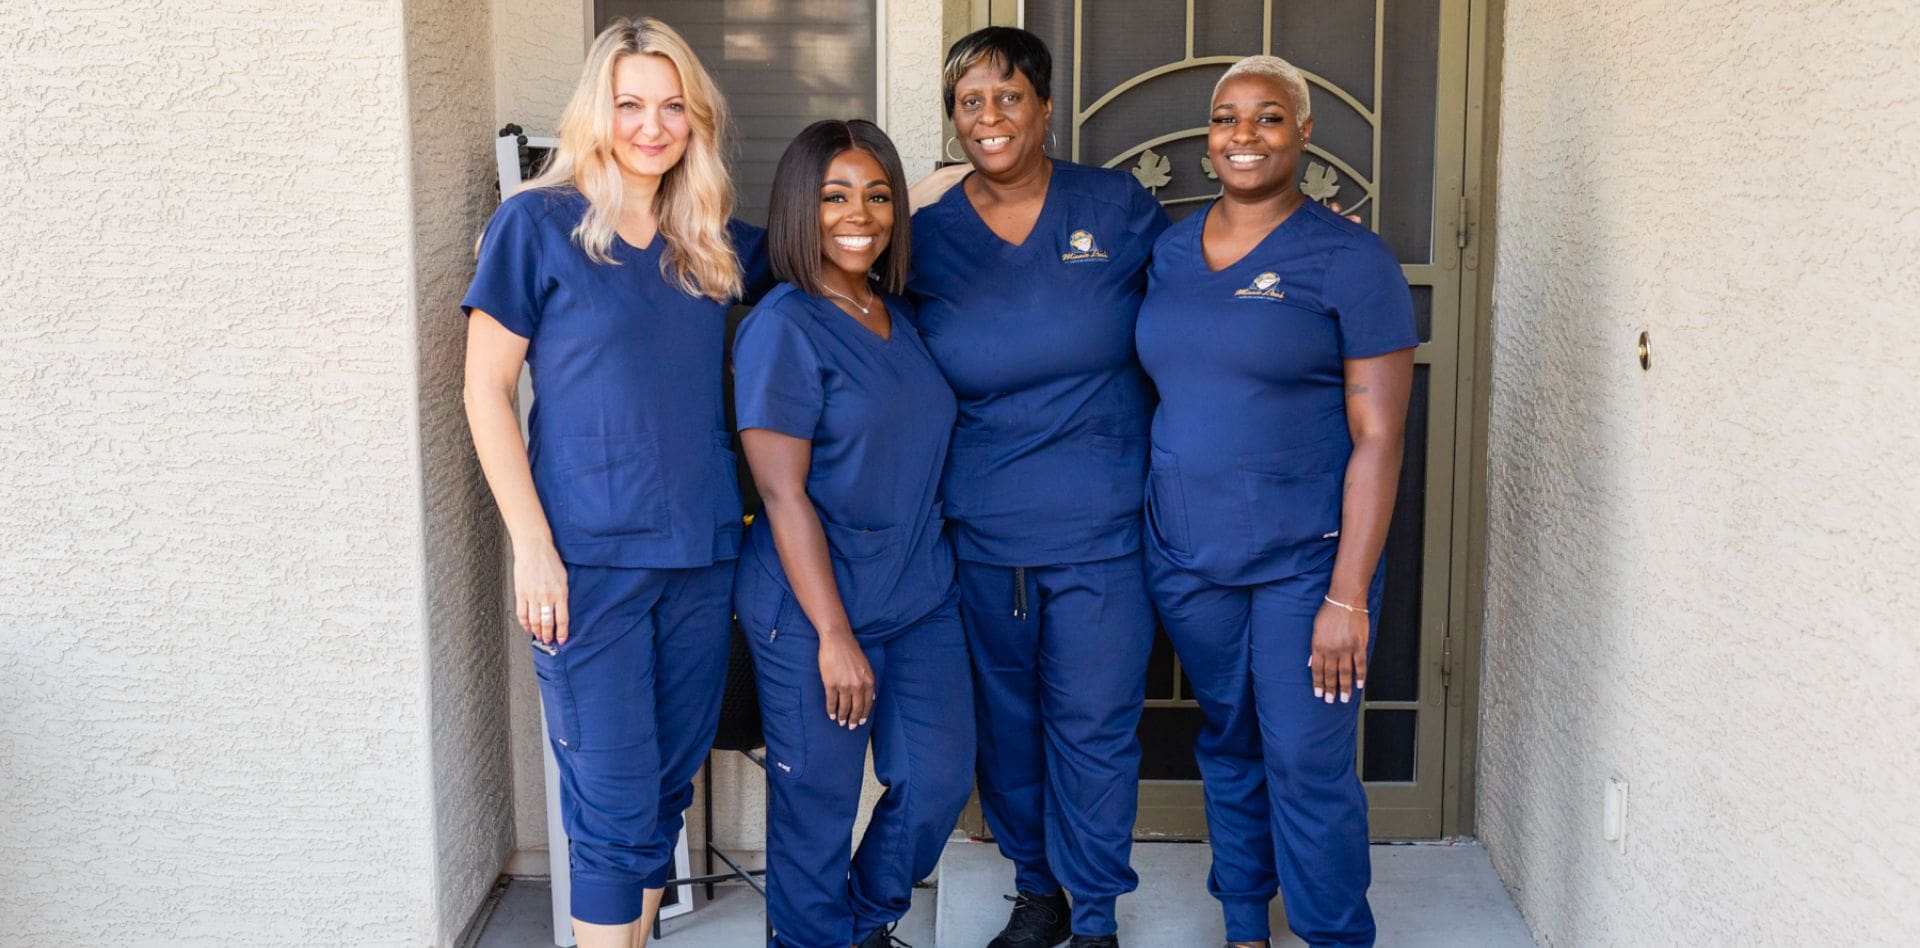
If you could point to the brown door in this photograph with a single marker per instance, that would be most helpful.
(1131, 85)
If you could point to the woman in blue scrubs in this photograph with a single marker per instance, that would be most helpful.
(1028, 277)
(1280, 336)
(845, 588)
(610, 276)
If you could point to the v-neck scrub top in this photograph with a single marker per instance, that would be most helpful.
(1250, 441)
(879, 416)
(627, 437)
(1036, 338)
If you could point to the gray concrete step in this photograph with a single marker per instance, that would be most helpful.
(1424, 896)
(1430, 896)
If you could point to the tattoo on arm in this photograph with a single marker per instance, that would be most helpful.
(1358, 390)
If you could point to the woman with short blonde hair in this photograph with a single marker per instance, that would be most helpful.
(609, 276)
(1280, 337)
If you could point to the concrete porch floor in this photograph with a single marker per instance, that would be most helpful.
(1428, 896)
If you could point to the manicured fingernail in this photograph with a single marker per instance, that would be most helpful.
(1344, 696)
(1318, 693)
(1359, 684)
(1329, 697)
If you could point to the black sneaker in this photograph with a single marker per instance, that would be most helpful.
(1095, 941)
(1038, 921)
(883, 938)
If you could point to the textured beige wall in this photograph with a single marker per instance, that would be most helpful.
(914, 113)
(1701, 578)
(452, 178)
(538, 48)
(235, 663)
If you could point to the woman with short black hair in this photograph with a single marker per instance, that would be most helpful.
(1028, 277)
(845, 588)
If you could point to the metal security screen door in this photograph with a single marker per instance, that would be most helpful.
(1388, 81)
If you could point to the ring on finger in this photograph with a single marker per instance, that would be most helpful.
(546, 612)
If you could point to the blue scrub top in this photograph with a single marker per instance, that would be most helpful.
(879, 416)
(627, 436)
(1250, 442)
(1049, 456)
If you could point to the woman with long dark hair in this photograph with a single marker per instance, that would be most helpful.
(845, 588)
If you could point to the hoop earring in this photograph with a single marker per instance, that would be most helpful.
(1053, 142)
(948, 151)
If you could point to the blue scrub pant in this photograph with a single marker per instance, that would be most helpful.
(632, 700)
(1060, 671)
(1285, 808)
(820, 894)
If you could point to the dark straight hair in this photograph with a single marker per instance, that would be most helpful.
(1013, 48)
(793, 220)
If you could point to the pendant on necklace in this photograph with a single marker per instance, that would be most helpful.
(864, 310)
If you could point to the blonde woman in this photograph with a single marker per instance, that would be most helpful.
(610, 276)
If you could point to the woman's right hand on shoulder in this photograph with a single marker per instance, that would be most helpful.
(849, 680)
(927, 191)
(540, 594)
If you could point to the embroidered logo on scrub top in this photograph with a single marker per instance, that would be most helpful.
(1084, 248)
(1266, 286)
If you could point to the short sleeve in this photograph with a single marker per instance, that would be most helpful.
(776, 375)
(506, 281)
(756, 265)
(1145, 217)
(1369, 298)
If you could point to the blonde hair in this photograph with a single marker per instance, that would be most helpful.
(696, 194)
(1288, 74)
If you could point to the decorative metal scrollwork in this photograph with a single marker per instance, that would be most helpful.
(1326, 174)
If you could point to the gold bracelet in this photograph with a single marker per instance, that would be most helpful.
(1344, 605)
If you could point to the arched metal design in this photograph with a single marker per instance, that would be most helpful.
(1152, 167)
(1394, 152)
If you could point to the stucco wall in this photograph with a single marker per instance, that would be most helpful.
(453, 190)
(538, 48)
(914, 113)
(224, 714)
(1701, 578)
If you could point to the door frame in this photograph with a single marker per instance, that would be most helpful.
(1464, 200)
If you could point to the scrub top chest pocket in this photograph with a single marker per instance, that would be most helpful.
(610, 486)
(1293, 497)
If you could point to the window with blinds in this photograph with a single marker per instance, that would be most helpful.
(783, 64)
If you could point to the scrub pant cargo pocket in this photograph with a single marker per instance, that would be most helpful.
(1060, 671)
(632, 699)
(1285, 808)
(819, 893)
